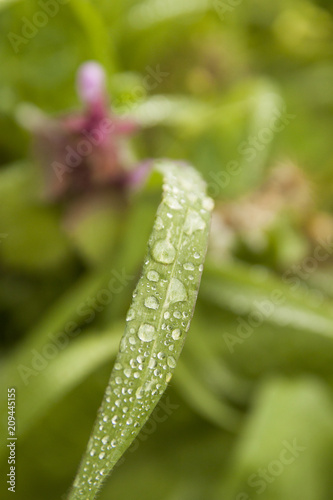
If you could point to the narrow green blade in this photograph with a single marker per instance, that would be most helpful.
(160, 315)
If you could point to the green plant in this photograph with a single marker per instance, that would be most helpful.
(157, 323)
(242, 93)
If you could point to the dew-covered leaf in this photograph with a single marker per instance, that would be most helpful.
(156, 323)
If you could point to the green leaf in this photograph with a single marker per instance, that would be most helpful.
(163, 304)
(34, 242)
(96, 31)
(204, 401)
(279, 301)
(71, 365)
(286, 444)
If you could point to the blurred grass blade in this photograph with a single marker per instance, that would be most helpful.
(211, 368)
(291, 428)
(161, 12)
(163, 304)
(67, 309)
(96, 30)
(62, 374)
(204, 401)
(244, 289)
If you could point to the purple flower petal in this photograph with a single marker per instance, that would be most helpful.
(91, 83)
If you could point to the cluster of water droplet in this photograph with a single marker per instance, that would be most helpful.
(156, 322)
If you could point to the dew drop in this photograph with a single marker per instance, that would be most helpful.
(146, 332)
(105, 439)
(208, 204)
(113, 443)
(152, 302)
(153, 276)
(114, 419)
(133, 363)
(164, 252)
(166, 315)
(188, 266)
(176, 334)
(132, 340)
(101, 455)
(193, 222)
(168, 377)
(177, 315)
(196, 255)
(123, 344)
(173, 203)
(130, 315)
(139, 393)
(177, 291)
(171, 362)
(152, 363)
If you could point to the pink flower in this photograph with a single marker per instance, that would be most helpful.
(85, 151)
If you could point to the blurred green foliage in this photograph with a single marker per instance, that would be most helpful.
(256, 372)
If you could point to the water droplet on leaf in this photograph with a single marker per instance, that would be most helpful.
(177, 291)
(176, 334)
(193, 223)
(146, 332)
(173, 203)
(130, 315)
(208, 204)
(164, 252)
(152, 363)
(151, 302)
(171, 362)
(153, 276)
(139, 393)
